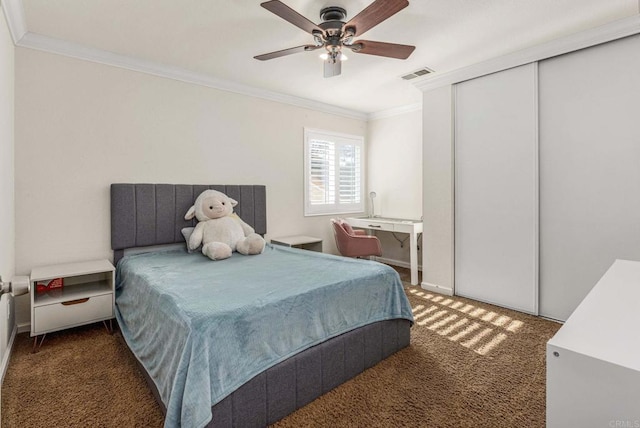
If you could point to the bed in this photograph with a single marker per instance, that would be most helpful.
(247, 340)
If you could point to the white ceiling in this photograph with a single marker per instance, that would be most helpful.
(219, 39)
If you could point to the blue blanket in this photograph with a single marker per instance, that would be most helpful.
(202, 328)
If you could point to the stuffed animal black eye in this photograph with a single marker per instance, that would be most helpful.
(223, 203)
(210, 207)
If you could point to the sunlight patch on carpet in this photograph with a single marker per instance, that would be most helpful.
(489, 316)
(453, 327)
(477, 338)
(467, 331)
(425, 312)
(432, 317)
(443, 322)
(514, 326)
(487, 347)
(471, 326)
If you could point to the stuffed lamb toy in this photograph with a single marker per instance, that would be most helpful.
(219, 230)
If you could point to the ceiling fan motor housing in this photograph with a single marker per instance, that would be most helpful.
(333, 13)
(332, 18)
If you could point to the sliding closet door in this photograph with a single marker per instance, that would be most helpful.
(589, 169)
(496, 182)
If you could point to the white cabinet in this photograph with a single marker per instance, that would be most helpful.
(593, 369)
(87, 296)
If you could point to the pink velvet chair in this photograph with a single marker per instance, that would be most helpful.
(354, 243)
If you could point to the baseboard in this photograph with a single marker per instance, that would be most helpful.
(437, 288)
(395, 262)
(7, 354)
(24, 328)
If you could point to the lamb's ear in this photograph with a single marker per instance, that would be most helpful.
(233, 202)
(191, 213)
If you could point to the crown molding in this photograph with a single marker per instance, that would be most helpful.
(615, 30)
(16, 21)
(74, 50)
(396, 111)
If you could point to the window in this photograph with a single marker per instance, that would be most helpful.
(333, 173)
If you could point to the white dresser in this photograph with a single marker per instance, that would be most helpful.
(593, 361)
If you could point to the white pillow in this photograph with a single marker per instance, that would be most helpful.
(186, 233)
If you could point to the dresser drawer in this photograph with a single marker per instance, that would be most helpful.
(57, 316)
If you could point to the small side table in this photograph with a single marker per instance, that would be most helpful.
(87, 296)
(304, 242)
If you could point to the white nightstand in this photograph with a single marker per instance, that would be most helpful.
(87, 296)
(300, 241)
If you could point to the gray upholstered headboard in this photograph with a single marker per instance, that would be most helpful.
(153, 214)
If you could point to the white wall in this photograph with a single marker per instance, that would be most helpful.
(7, 237)
(81, 126)
(394, 172)
(437, 255)
(7, 205)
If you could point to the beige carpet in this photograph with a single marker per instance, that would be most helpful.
(469, 365)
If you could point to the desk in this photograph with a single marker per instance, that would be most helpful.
(412, 227)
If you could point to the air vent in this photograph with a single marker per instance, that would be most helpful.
(423, 71)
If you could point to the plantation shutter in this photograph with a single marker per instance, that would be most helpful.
(349, 179)
(333, 173)
(322, 179)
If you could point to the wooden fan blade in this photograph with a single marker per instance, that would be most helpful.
(374, 14)
(284, 52)
(290, 15)
(391, 50)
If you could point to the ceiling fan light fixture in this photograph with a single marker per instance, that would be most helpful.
(339, 56)
(332, 67)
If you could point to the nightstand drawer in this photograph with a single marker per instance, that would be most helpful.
(71, 313)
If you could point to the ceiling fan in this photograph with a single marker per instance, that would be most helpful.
(334, 34)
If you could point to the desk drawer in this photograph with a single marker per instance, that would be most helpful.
(77, 312)
(374, 225)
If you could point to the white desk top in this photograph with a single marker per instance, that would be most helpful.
(402, 225)
(606, 324)
(389, 220)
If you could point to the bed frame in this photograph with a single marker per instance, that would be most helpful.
(153, 214)
(144, 215)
